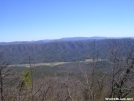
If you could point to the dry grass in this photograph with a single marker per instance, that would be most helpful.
(52, 64)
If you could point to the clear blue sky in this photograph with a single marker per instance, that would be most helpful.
(23, 20)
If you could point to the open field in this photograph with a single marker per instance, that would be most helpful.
(52, 64)
(41, 64)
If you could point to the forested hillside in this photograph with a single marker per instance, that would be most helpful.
(93, 80)
(60, 51)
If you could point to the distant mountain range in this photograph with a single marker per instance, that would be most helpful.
(61, 40)
(62, 50)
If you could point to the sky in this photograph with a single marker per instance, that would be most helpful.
(28, 20)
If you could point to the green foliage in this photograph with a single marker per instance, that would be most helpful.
(26, 80)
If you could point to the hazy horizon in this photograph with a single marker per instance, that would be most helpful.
(29, 20)
(65, 38)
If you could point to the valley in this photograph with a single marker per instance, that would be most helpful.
(52, 64)
(72, 68)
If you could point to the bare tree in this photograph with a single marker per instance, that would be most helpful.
(122, 64)
(6, 77)
(94, 85)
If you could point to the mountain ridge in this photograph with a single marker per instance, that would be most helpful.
(63, 51)
(63, 40)
(53, 40)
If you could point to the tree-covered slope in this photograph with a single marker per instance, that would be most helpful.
(59, 51)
